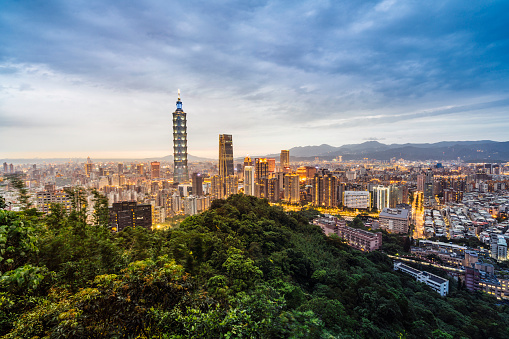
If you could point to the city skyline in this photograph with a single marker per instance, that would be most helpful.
(100, 79)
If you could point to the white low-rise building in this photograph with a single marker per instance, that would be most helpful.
(437, 283)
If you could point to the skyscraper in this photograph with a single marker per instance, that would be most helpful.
(225, 155)
(248, 161)
(89, 166)
(249, 183)
(284, 159)
(197, 184)
(180, 172)
(225, 159)
(155, 169)
(261, 168)
(271, 165)
(292, 188)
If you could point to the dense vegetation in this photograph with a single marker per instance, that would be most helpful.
(240, 269)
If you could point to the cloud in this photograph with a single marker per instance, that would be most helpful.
(373, 139)
(256, 68)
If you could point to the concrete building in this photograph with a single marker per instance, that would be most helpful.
(216, 187)
(44, 200)
(130, 214)
(380, 197)
(360, 239)
(284, 159)
(190, 205)
(395, 220)
(437, 283)
(89, 167)
(356, 238)
(249, 182)
(197, 179)
(231, 184)
(498, 247)
(356, 199)
(292, 188)
(324, 190)
(226, 168)
(261, 169)
(155, 169)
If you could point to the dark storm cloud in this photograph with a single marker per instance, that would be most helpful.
(405, 49)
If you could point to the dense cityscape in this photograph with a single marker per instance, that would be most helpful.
(330, 169)
(435, 200)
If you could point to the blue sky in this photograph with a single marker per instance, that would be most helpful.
(100, 78)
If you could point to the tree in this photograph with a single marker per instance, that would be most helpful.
(78, 205)
(242, 272)
(101, 212)
(2, 202)
(406, 244)
(19, 185)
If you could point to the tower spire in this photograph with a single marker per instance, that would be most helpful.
(178, 92)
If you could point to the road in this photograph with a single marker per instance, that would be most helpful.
(417, 215)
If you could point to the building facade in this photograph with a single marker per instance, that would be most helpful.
(130, 214)
(249, 182)
(284, 159)
(395, 220)
(356, 199)
(436, 283)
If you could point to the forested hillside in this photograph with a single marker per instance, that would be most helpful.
(242, 269)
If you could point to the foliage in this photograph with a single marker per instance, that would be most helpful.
(242, 269)
(19, 185)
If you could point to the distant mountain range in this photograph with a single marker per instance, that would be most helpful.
(468, 151)
(483, 150)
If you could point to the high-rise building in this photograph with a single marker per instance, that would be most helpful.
(272, 190)
(180, 171)
(5, 167)
(216, 187)
(284, 159)
(11, 168)
(425, 183)
(231, 185)
(380, 197)
(324, 190)
(261, 168)
(139, 169)
(395, 220)
(155, 169)
(130, 214)
(272, 165)
(292, 188)
(197, 184)
(225, 155)
(89, 166)
(120, 168)
(225, 160)
(248, 161)
(249, 183)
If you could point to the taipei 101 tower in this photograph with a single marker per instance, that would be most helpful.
(180, 172)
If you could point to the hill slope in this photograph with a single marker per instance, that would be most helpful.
(241, 269)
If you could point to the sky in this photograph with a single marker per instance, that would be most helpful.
(100, 78)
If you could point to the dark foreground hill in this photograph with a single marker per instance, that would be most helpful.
(242, 269)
